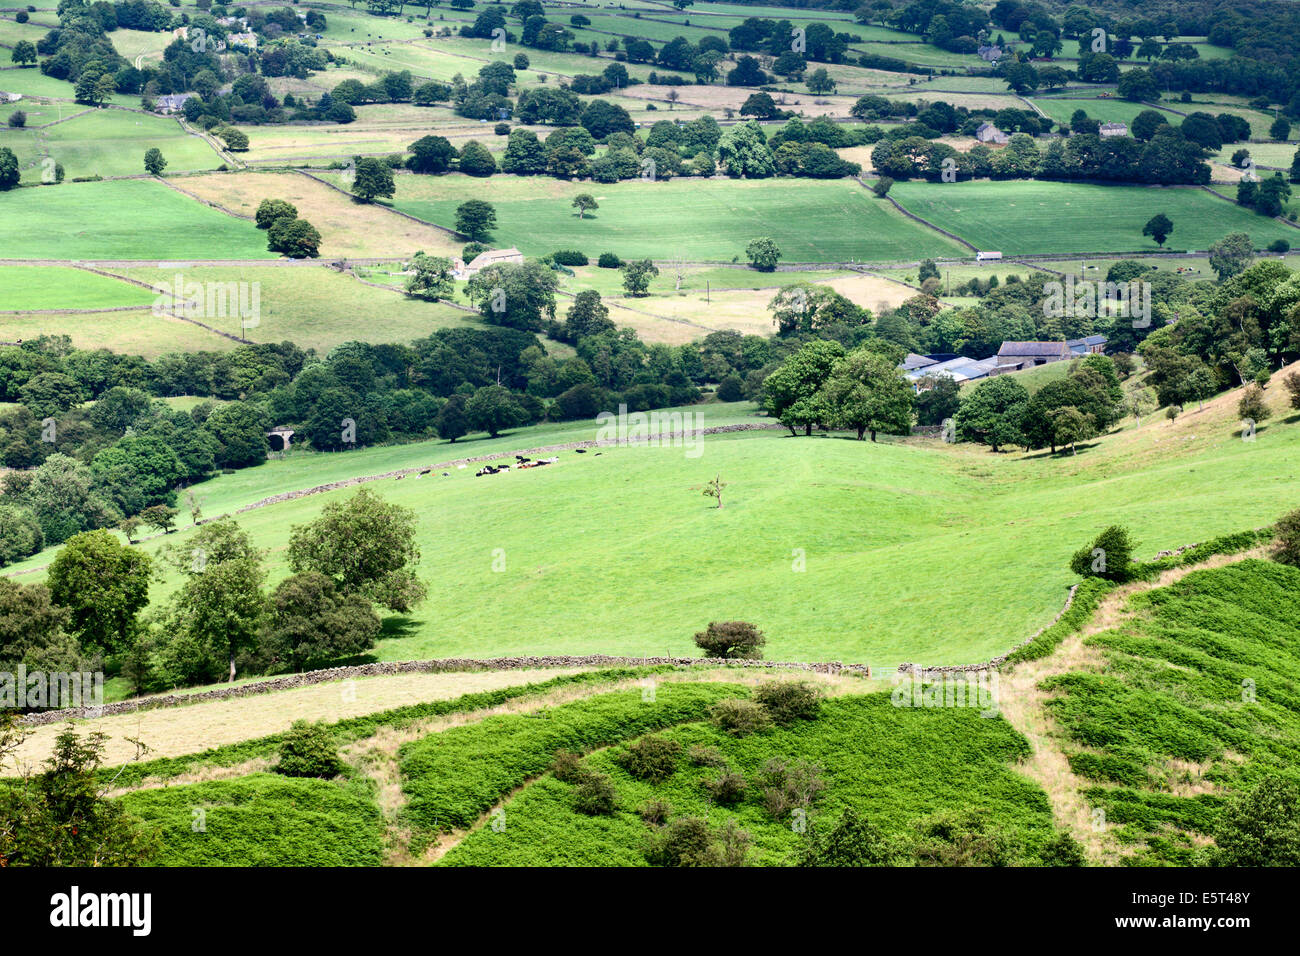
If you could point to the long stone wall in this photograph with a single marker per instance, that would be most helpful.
(308, 678)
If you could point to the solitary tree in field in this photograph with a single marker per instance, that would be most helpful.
(1158, 227)
(637, 275)
(734, 639)
(373, 178)
(9, 171)
(24, 53)
(296, 238)
(763, 254)
(713, 488)
(820, 81)
(584, 202)
(154, 163)
(1109, 556)
(475, 219)
(673, 97)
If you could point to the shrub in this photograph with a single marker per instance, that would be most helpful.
(788, 786)
(651, 758)
(656, 813)
(595, 796)
(740, 718)
(738, 640)
(731, 389)
(727, 789)
(569, 257)
(1260, 828)
(17, 119)
(568, 767)
(1109, 556)
(790, 700)
(22, 16)
(851, 841)
(1279, 246)
(1286, 548)
(963, 838)
(1252, 404)
(731, 846)
(706, 757)
(608, 260)
(308, 750)
(1063, 850)
(501, 129)
(683, 842)
(471, 250)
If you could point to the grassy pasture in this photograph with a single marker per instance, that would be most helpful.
(58, 287)
(1111, 110)
(1277, 155)
(177, 731)
(317, 307)
(113, 143)
(914, 552)
(918, 762)
(1024, 218)
(132, 333)
(122, 219)
(811, 221)
(30, 81)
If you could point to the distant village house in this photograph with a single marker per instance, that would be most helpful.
(988, 133)
(493, 257)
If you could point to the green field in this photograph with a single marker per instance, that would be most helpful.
(905, 546)
(1032, 218)
(1110, 110)
(58, 287)
(113, 143)
(104, 143)
(316, 308)
(811, 221)
(122, 219)
(129, 332)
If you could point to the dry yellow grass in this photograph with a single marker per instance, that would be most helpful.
(872, 292)
(347, 228)
(175, 731)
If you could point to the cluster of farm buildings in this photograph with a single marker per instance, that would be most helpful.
(1011, 357)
